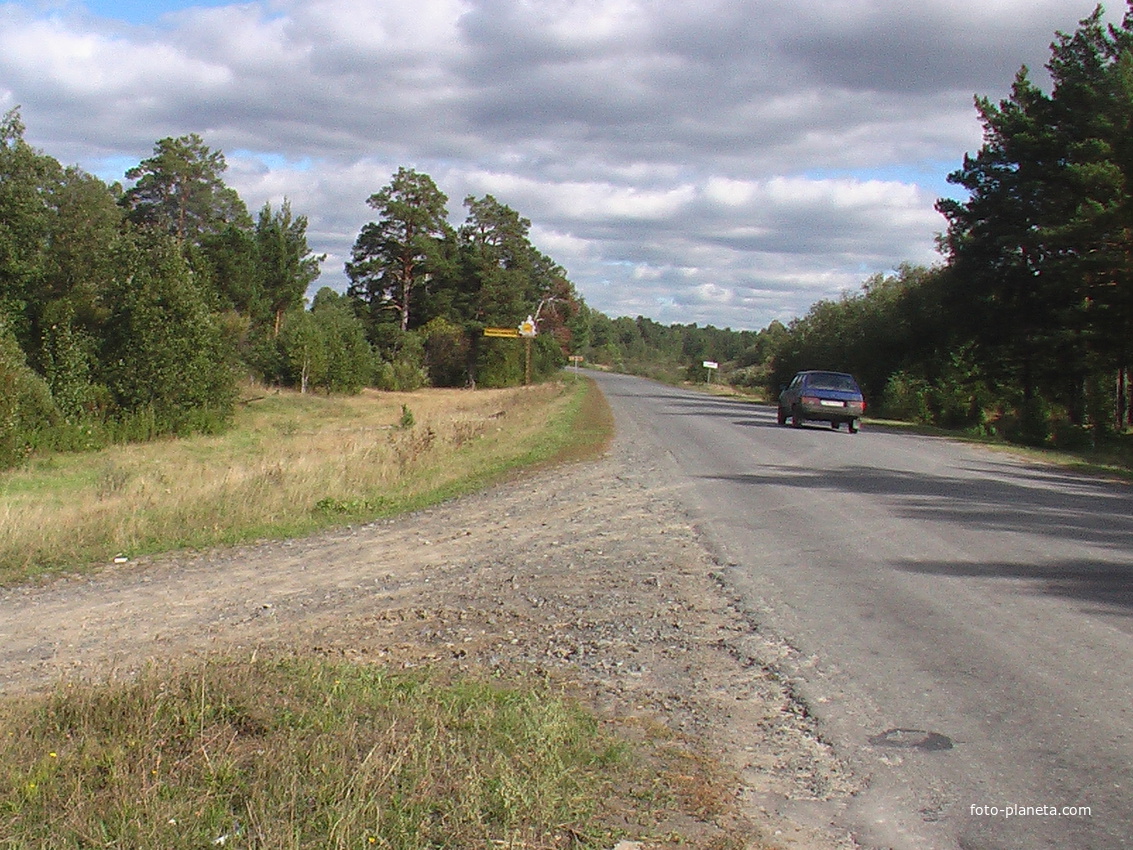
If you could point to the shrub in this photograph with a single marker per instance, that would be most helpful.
(1029, 423)
(500, 363)
(26, 405)
(400, 376)
(165, 355)
(1070, 437)
(402, 364)
(753, 377)
(407, 418)
(547, 357)
(907, 397)
(446, 352)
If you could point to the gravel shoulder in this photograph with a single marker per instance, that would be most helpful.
(589, 572)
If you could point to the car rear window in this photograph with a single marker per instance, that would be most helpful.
(832, 382)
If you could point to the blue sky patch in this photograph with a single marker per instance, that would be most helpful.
(144, 11)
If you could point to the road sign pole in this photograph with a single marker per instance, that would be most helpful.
(527, 330)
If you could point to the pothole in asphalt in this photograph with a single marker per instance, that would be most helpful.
(912, 739)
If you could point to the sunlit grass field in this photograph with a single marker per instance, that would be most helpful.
(291, 464)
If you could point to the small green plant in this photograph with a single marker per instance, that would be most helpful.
(347, 507)
(407, 418)
(112, 480)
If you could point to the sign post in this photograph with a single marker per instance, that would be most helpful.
(711, 366)
(527, 331)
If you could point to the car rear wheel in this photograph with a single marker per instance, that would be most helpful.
(796, 419)
(854, 425)
(782, 416)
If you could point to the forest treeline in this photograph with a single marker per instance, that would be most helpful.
(127, 313)
(130, 313)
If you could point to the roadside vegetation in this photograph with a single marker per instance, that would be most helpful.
(290, 464)
(289, 753)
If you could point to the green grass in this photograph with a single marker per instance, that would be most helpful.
(308, 754)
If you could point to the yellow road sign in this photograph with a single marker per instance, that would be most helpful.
(508, 333)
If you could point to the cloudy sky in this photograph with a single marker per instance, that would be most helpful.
(723, 162)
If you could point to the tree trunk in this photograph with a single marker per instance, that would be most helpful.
(1128, 400)
(406, 286)
(1122, 407)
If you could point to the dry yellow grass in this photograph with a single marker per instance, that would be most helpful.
(291, 464)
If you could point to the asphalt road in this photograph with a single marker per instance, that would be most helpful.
(960, 621)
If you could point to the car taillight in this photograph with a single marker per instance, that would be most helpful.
(809, 400)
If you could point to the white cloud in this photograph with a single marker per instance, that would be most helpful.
(712, 162)
(845, 194)
(95, 65)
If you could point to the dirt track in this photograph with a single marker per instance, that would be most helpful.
(589, 572)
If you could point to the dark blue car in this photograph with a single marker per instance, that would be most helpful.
(832, 397)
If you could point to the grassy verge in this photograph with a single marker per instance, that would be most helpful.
(290, 466)
(1112, 458)
(309, 754)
